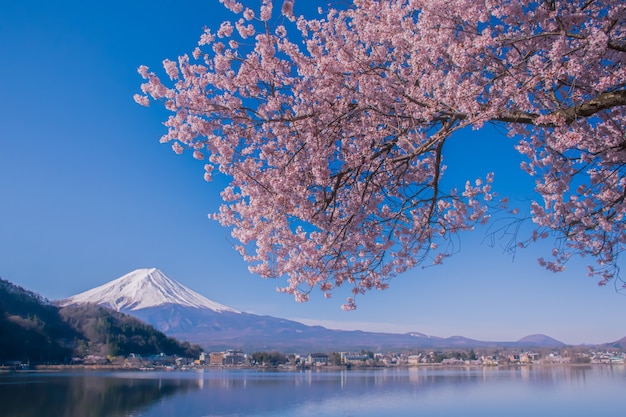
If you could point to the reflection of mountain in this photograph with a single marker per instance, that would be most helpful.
(80, 395)
(157, 299)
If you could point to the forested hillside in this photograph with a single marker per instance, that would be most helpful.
(120, 334)
(33, 330)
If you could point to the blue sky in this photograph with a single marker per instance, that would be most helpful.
(87, 192)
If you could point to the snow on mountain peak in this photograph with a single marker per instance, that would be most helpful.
(143, 288)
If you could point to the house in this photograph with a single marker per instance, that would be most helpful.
(354, 358)
(234, 357)
(216, 358)
(317, 359)
(414, 359)
(528, 357)
(490, 361)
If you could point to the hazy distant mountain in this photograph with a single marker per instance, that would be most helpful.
(618, 344)
(157, 299)
(539, 340)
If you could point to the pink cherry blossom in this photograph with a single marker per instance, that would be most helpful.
(266, 10)
(248, 14)
(287, 9)
(225, 30)
(142, 100)
(332, 131)
(232, 5)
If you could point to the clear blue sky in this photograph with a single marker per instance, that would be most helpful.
(88, 194)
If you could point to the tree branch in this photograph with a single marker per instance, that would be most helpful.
(590, 107)
(617, 46)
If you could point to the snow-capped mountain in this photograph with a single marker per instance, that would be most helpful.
(145, 288)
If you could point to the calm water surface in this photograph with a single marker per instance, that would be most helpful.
(527, 391)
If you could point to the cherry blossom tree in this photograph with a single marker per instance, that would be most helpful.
(332, 130)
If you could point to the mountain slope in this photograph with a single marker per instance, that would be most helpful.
(539, 340)
(114, 333)
(144, 288)
(251, 332)
(33, 330)
(618, 344)
(151, 296)
(218, 331)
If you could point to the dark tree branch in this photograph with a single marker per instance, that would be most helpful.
(590, 107)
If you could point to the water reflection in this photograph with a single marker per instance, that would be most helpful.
(85, 394)
(572, 391)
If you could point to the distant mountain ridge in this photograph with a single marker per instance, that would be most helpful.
(159, 300)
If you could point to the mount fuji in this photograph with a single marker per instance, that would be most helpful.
(155, 298)
(152, 296)
(145, 288)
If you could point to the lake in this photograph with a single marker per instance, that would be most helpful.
(521, 391)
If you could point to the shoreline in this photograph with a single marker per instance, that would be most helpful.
(117, 368)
